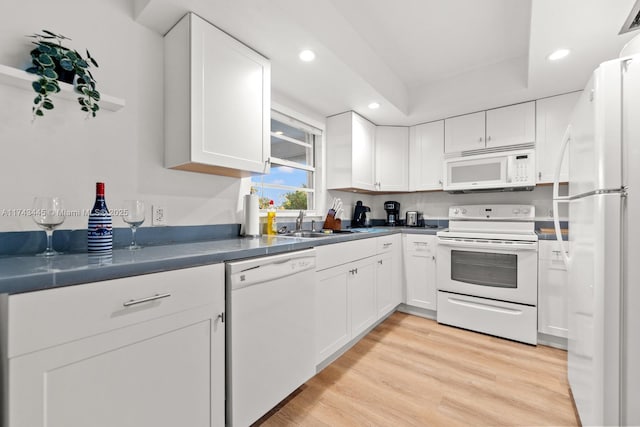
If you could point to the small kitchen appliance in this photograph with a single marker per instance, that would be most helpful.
(360, 215)
(413, 219)
(393, 212)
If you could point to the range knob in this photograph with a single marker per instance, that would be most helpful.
(456, 211)
(516, 211)
(525, 211)
(464, 211)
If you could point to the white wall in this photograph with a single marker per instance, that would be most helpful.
(436, 204)
(64, 154)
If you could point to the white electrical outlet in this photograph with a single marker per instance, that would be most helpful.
(158, 215)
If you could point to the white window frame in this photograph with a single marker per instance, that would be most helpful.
(284, 115)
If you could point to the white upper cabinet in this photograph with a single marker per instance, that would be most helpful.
(217, 102)
(511, 125)
(552, 119)
(392, 158)
(426, 154)
(350, 152)
(464, 133)
(515, 124)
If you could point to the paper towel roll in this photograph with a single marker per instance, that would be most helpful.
(251, 215)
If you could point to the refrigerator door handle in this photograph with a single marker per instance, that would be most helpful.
(557, 198)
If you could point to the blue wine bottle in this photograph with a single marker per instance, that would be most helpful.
(100, 230)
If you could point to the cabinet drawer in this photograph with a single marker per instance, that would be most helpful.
(388, 243)
(328, 256)
(503, 319)
(420, 243)
(37, 320)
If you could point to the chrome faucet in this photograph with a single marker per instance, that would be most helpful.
(299, 221)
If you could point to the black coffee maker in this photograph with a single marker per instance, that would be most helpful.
(393, 212)
(360, 215)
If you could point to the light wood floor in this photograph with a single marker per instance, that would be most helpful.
(411, 371)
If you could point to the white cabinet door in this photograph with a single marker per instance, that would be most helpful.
(426, 156)
(392, 158)
(552, 290)
(333, 320)
(514, 124)
(552, 118)
(463, 133)
(164, 371)
(363, 153)
(420, 271)
(385, 282)
(217, 106)
(362, 295)
(350, 152)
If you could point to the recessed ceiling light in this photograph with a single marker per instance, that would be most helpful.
(374, 105)
(558, 54)
(307, 55)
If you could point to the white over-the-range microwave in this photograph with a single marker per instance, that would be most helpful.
(504, 171)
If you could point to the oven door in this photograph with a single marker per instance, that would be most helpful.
(497, 269)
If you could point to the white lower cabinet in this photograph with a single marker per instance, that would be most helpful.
(420, 270)
(333, 321)
(97, 355)
(361, 282)
(552, 290)
(357, 284)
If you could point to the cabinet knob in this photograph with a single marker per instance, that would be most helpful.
(480, 140)
(539, 175)
(488, 138)
(380, 262)
(433, 257)
(440, 181)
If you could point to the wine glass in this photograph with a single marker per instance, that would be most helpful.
(48, 213)
(134, 216)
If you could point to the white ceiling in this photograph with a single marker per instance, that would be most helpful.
(421, 60)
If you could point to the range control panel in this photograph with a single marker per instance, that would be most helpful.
(493, 212)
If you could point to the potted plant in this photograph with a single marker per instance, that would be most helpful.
(53, 62)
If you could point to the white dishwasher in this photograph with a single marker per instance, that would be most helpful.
(270, 332)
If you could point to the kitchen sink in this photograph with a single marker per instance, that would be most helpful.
(306, 234)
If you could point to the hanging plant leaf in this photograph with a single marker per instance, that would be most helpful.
(47, 105)
(39, 112)
(95, 95)
(54, 35)
(66, 64)
(37, 86)
(50, 73)
(45, 60)
(37, 99)
(51, 87)
(85, 109)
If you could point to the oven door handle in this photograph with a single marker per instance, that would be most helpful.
(526, 246)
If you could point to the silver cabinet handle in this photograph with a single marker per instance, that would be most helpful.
(386, 245)
(220, 316)
(147, 299)
(440, 181)
(380, 262)
(539, 175)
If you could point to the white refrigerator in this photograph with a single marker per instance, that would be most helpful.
(603, 261)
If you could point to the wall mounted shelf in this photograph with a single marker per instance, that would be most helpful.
(19, 78)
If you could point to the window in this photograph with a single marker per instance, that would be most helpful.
(291, 181)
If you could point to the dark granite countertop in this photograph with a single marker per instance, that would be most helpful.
(27, 273)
